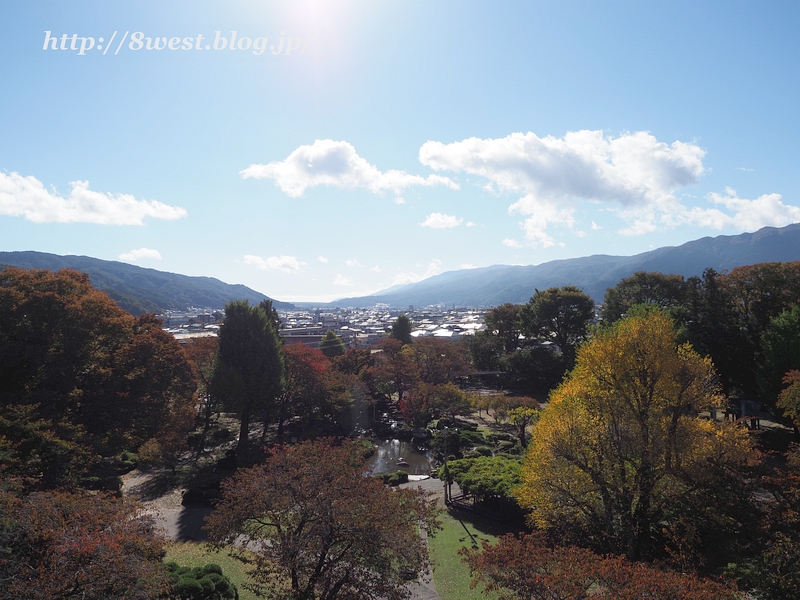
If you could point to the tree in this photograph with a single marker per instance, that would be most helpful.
(771, 570)
(76, 546)
(401, 329)
(485, 477)
(394, 371)
(535, 371)
(560, 315)
(92, 378)
(528, 568)
(485, 351)
(504, 322)
(781, 351)
(249, 371)
(202, 353)
(619, 459)
(438, 361)
(643, 287)
(789, 398)
(321, 528)
(522, 417)
(314, 393)
(332, 345)
(755, 295)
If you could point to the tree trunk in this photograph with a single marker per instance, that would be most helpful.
(244, 435)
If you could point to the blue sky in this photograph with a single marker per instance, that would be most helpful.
(366, 144)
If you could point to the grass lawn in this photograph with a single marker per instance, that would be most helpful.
(195, 554)
(459, 530)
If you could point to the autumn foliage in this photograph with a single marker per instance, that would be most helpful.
(61, 545)
(619, 460)
(79, 377)
(526, 567)
(321, 528)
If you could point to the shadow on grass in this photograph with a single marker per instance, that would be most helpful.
(483, 529)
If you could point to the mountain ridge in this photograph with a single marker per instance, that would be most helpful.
(497, 284)
(138, 289)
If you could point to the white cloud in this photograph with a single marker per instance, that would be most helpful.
(352, 263)
(441, 221)
(555, 174)
(340, 280)
(511, 243)
(399, 200)
(27, 197)
(767, 210)
(639, 227)
(471, 224)
(595, 226)
(433, 268)
(322, 259)
(468, 266)
(287, 264)
(135, 255)
(375, 269)
(335, 163)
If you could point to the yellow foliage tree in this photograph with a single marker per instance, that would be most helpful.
(619, 452)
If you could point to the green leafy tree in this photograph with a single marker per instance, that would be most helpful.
(320, 528)
(504, 322)
(332, 345)
(248, 375)
(619, 459)
(485, 477)
(522, 417)
(643, 287)
(534, 371)
(560, 315)
(401, 329)
(757, 294)
(485, 350)
(781, 350)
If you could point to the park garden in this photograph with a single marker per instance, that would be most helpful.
(642, 451)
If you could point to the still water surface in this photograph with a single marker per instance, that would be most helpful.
(390, 452)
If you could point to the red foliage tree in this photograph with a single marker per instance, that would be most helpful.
(527, 567)
(59, 545)
(320, 527)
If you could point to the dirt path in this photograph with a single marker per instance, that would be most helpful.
(176, 522)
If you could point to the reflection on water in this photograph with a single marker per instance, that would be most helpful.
(391, 452)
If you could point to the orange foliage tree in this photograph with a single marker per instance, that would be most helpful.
(80, 376)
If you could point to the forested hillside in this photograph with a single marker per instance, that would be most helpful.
(139, 290)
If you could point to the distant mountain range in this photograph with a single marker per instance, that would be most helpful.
(491, 286)
(139, 290)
